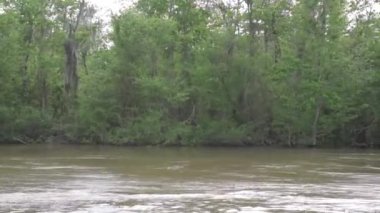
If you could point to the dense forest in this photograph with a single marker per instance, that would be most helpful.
(191, 72)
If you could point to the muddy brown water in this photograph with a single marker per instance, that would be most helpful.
(62, 178)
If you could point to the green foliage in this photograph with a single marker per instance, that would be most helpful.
(220, 132)
(23, 125)
(181, 72)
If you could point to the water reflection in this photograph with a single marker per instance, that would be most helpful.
(112, 179)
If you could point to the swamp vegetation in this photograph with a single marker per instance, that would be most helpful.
(191, 72)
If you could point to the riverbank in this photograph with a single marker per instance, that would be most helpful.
(64, 140)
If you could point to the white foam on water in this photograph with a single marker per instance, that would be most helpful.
(62, 167)
(273, 197)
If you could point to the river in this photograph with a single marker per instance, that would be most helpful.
(62, 178)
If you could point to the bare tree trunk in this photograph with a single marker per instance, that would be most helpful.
(71, 77)
(315, 124)
(266, 40)
(25, 78)
(319, 103)
(290, 136)
(252, 28)
(71, 46)
(277, 47)
(43, 90)
(28, 39)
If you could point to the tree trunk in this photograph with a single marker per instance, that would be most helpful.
(42, 90)
(290, 136)
(315, 124)
(71, 46)
(25, 78)
(277, 47)
(71, 76)
(28, 39)
(252, 30)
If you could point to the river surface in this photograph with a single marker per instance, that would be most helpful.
(54, 178)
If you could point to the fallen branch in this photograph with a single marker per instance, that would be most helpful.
(19, 140)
